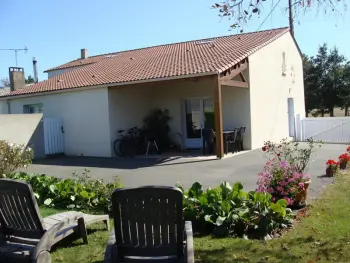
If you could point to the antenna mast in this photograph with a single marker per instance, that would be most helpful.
(25, 49)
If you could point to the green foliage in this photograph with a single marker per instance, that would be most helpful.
(14, 156)
(80, 193)
(227, 210)
(157, 122)
(326, 81)
(292, 152)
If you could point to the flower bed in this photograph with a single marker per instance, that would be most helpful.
(80, 193)
(227, 210)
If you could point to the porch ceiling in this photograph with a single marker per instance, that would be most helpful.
(227, 78)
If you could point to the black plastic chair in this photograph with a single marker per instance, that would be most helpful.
(209, 139)
(232, 140)
(240, 136)
(149, 227)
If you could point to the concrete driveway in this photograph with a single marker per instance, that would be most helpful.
(137, 172)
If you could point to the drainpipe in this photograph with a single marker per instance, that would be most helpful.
(8, 107)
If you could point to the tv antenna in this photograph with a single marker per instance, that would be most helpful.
(25, 49)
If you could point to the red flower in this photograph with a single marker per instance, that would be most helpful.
(278, 154)
(264, 148)
(344, 157)
(348, 149)
(331, 162)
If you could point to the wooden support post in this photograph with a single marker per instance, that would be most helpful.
(218, 117)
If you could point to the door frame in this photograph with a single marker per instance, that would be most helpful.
(197, 143)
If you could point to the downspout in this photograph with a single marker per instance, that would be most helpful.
(8, 107)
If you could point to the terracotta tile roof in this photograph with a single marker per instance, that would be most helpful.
(179, 59)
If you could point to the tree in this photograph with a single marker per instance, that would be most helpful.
(4, 82)
(345, 89)
(29, 79)
(311, 89)
(327, 81)
(240, 11)
(334, 80)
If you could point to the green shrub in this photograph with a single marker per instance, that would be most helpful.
(81, 192)
(13, 156)
(229, 211)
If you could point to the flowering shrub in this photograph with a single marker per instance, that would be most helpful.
(282, 180)
(333, 165)
(294, 153)
(344, 158)
(13, 156)
(348, 149)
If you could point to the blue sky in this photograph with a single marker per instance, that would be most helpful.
(55, 30)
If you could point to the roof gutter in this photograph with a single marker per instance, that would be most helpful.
(107, 85)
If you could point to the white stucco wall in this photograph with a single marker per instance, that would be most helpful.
(129, 105)
(85, 117)
(235, 103)
(269, 90)
(127, 108)
(3, 107)
(54, 73)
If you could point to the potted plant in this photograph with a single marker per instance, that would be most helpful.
(343, 160)
(283, 181)
(332, 167)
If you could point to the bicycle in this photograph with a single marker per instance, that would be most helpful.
(128, 144)
(116, 144)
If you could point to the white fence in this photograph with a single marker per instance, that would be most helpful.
(326, 129)
(53, 136)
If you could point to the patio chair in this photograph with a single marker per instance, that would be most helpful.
(240, 136)
(149, 227)
(209, 140)
(232, 140)
(24, 235)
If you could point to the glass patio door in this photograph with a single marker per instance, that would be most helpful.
(199, 113)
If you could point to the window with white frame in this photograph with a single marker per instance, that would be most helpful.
(33, 108)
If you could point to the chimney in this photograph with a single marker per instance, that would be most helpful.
(35, 71)
(17, 80)
(84, 53)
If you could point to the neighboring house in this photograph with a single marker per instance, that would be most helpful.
(252, 79)
(3, 104)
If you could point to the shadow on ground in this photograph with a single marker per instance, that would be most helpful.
(116, 163)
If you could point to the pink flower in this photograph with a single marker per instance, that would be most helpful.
(273, 199)
(279, 189)
(283, 164)
(283, 183)
(301, 186)
(289, 201)
(269, 190)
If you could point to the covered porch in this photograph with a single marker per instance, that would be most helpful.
(220, 102)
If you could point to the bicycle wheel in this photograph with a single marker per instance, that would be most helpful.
(126, 147)
(116, 148)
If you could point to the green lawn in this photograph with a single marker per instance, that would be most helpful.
(323, 236)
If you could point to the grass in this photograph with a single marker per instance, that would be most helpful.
(323, 236)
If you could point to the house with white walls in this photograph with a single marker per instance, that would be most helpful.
(252, 79)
